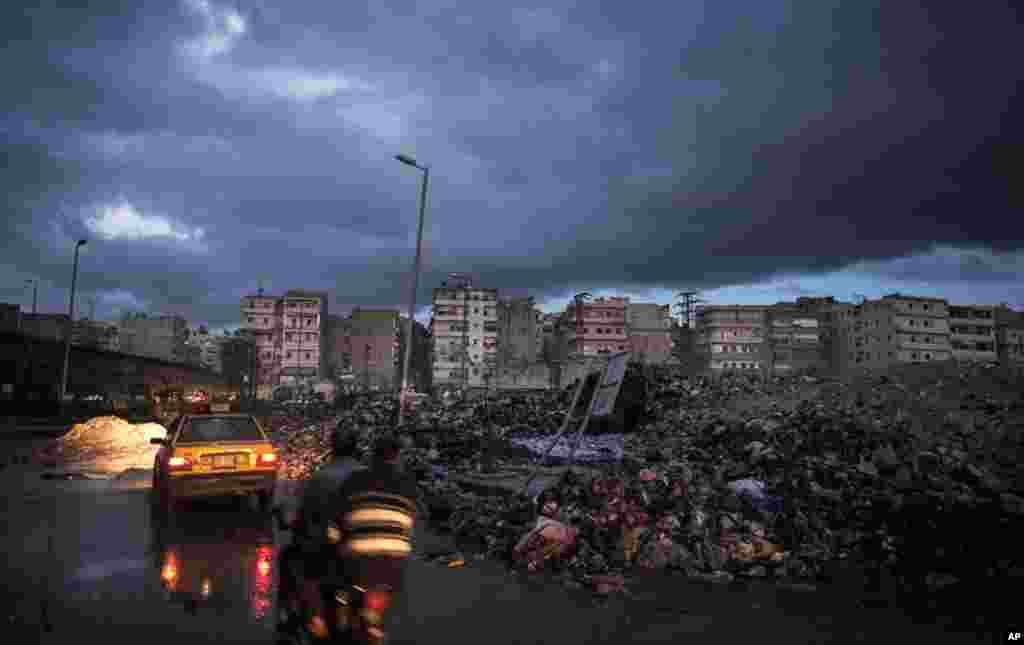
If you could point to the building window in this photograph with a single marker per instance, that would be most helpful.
(927, 323)
(927, 357)
(308, 355)
(914, 356)
(618, 331)
(288, 355)
(926, 307)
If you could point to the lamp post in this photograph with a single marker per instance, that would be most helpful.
(35, 293)
(71, 321)
(409, 161)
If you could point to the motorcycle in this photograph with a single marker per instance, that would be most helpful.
(353, 614)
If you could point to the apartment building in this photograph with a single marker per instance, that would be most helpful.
(1009, 336)
(203, 349)
(160, 337)
(263, 323)
(794, 338)
(519, 332)
(550, 341)
(464, 328)
(649, 327)
(339, 347)
(894, 329)
(373, 347)
(920, 328)
(731, 337)
(288, 332)
(973, 333)
(97, 334)
(599, 327)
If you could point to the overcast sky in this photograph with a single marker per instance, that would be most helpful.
(754, 150)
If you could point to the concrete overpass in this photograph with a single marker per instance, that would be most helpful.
(30, 371)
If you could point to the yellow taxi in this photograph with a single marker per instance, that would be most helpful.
(213, 455)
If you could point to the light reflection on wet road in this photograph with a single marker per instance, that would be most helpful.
(216, 557)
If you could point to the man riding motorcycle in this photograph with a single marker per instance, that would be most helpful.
(307, 557)
(366, 522)
(377, 510)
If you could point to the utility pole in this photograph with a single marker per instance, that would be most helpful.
(71, 318)
(35, 293)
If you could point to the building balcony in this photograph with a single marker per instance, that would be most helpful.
(971, 339)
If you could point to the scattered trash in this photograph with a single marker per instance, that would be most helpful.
(726, 477)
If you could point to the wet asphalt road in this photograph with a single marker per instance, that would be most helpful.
(114, 572)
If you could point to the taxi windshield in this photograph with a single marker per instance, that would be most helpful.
(200, 429)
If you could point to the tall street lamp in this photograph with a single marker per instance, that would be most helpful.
(409, 161)
(71, 321)
(35, 293)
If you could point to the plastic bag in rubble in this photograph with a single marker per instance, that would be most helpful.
(548, 540)
(750, 487)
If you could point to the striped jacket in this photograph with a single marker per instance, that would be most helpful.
(377, 512)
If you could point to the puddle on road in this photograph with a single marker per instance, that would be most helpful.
(211, 559)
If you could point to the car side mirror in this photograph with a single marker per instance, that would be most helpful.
(157, 442)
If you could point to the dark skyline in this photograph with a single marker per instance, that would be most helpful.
(752, 150)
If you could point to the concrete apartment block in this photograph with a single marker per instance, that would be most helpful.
(973, 332)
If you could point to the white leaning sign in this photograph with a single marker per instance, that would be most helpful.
(608, 390)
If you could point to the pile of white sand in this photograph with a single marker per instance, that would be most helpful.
(106, 444)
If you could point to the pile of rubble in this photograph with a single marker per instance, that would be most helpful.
(106, 444)
(301, 445)
(734, 477)
(785, 494)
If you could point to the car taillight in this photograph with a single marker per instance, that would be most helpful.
(377, 600)
(264, 557)
(180, 463)
(268, 459)
(169, 572)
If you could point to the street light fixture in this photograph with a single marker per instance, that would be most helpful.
(71, 320)
(409, 161)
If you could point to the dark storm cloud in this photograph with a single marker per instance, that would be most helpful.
(204, 146)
